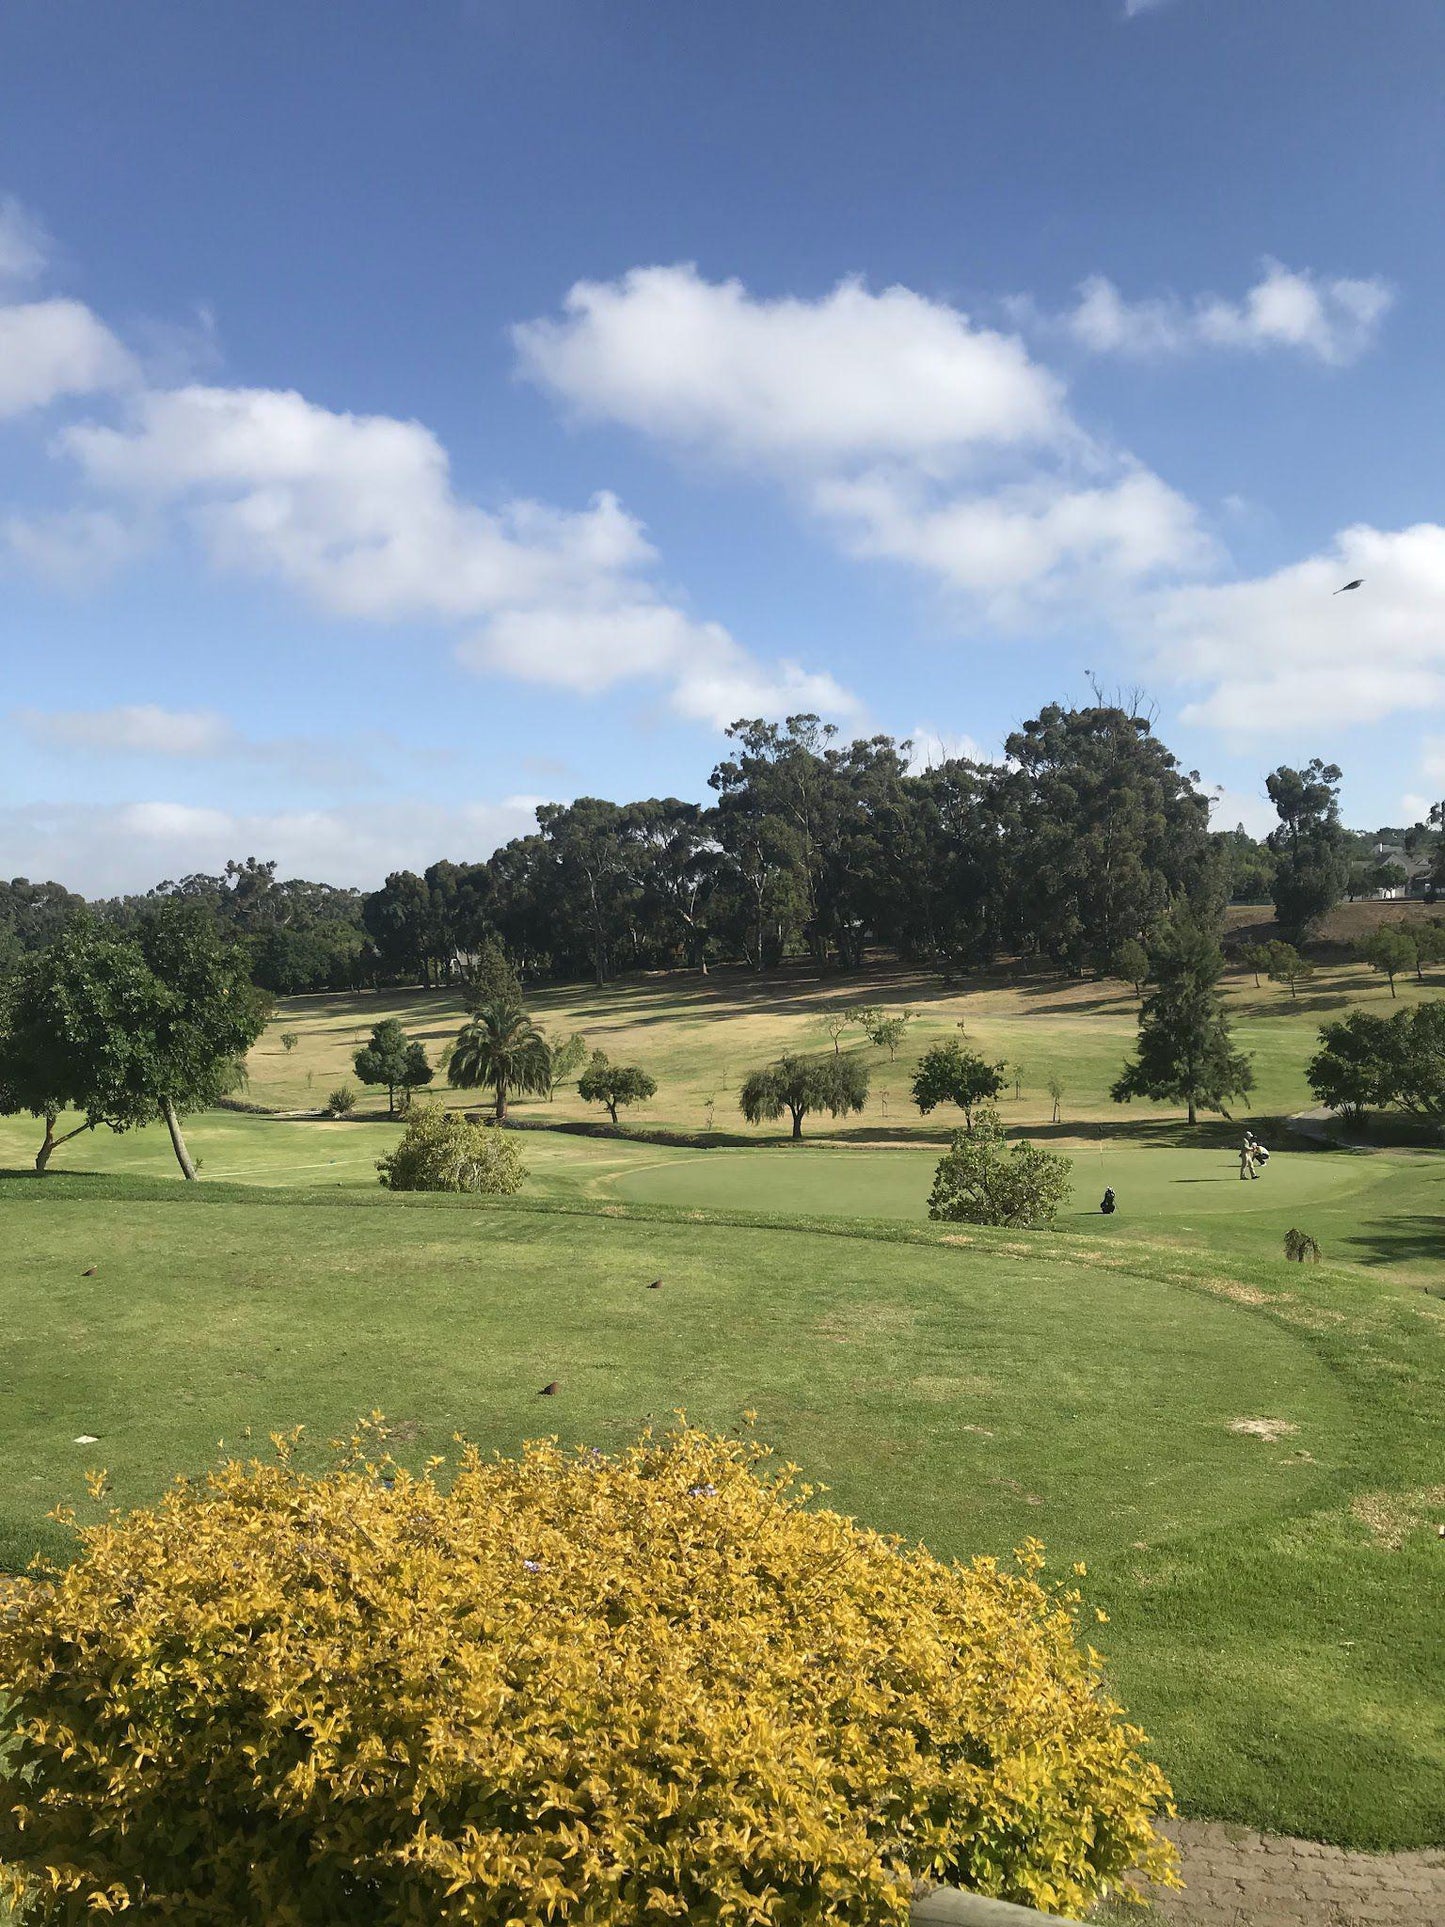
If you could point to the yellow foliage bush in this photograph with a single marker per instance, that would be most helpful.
(565, 1687)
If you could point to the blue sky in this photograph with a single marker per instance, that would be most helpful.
(410, 414)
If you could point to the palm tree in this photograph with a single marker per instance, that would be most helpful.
(503, 1048)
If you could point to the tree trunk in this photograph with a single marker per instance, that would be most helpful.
(501, 1111)
(1192, 1118)
(798, 1123)
(178, 1143)
(52, 1142)
(612, 1112)
(391, 1100)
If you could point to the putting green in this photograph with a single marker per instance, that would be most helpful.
(1152, 1185)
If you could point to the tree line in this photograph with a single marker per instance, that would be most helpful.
(1067, 852)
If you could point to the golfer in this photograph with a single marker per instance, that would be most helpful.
(1247, 1157)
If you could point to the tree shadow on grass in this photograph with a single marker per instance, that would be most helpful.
(1401, 1240)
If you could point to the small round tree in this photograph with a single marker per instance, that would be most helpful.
(614, 1085)
(984, 1180)
(951, 1073)
(1287, 966)
(392, 1059)
(1390, 951)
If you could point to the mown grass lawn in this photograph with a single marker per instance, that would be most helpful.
(1273, 1602)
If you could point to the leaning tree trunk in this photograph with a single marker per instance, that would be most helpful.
(178, 1143)
(52, 1142)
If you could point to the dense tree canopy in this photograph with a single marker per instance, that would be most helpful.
(984, 1180)
(1068, 850)
(128, 1027)
(1311, 847)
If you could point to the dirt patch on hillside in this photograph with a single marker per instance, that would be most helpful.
(1390, 1516)
(1269, 1429)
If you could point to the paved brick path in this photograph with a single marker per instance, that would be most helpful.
(1235, 1878)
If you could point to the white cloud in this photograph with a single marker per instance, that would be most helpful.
(1336, 320)
(49, 349)
(850, 375)
(1284, 651)
(358, 513)
(712, 679)
(915, 434)
(139, 728)
(1133, 8)
(105, 851)
(72, 548)
(1229, 808)
(25, 247)
(1416, 809)
(1026, 542)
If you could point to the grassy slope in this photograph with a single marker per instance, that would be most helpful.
(966, 1392)
(699, 1037)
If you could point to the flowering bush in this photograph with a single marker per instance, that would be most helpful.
(442, 1151)
(577, 1688)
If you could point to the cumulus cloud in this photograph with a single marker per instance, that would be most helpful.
(1335, 320)
(49, 349)
(72, 548)
(103, 851)
(358, 513)
(914, 433)
(1284, 650)
(788, 381)
(713, 679)
(1027, 542)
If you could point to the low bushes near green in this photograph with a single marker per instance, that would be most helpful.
(441, 1150)
(985, 1180)
(650, 1685)
(341, 1102)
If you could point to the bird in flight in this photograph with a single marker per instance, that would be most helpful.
(1350, 585)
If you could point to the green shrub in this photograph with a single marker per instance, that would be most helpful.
(636, 1689)
(443, 1151)
(342, 1101)
(982, 1180)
